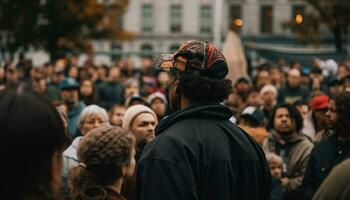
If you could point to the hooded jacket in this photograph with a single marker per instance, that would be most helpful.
(200, 154)
(295, 151)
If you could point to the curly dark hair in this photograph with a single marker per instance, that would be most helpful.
(103, 152)
(202, 89)
(293, 113)
(343, 112)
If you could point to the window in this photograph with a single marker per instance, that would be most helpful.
(235, 21)
(117, 51)
(206, 19)
(146, 50)
(298, 14)
(175, 18)
(147, 18)
(266, 19)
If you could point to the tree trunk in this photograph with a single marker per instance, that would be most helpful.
(52, 33)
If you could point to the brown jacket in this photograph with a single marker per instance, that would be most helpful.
(295, 151)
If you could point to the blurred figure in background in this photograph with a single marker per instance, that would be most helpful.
(276, 168)
(159, 104)
(88, 93)
(116, 115)
(70, 96)
(32, 140)
(333, 148)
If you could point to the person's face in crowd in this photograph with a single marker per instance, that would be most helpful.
(253, 99)
(304, 110)
(73, 73)
(86, 88)
(342, 72)
(294, 78)
(57, 77)
(146, 63)
(117, 115)
(128, 170)
(11, 76)
(158, 106)
(296, 65)
(347, 85)
(320, 116)
(35, 74)
(242, 87)
(275, 75)
(130, 65)
(42, 85)
(143, 127)
(268, 98)
(276, 170)
(331, 114)
(70, 95)
(163, 78)
(305, 80)
(283, 124)
(102, 72)
(114, 74)
(47, 71)
(91, 122)
(132, 89)
(335, 89)
(2, 74)
(263, 79)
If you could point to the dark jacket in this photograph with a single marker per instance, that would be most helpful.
(291, 95)
(200, 154)
(276, 189)
(110, 93)
(326, 154)
(337, 184)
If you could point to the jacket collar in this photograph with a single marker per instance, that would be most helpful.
(215, 111)
(287, 139)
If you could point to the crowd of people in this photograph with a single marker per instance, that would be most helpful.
(175, 128)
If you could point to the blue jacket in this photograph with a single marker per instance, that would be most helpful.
(73, 118)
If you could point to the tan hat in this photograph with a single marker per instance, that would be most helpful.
(132, 112)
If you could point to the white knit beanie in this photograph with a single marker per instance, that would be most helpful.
(268, 88)
(132, 112)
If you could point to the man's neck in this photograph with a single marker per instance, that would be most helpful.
(184, 102)
(117, 185)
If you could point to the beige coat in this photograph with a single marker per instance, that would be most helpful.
(295, 150)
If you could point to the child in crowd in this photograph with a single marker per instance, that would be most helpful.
(276, 168)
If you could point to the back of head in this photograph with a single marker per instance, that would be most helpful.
(101, 154)
(201, 70)
(31, 133)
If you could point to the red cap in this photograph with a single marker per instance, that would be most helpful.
(319, 102)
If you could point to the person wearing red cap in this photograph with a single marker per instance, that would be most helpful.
(319, 106)
(199, 153)
(333, 149)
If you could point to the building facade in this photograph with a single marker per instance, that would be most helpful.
(162, 25)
